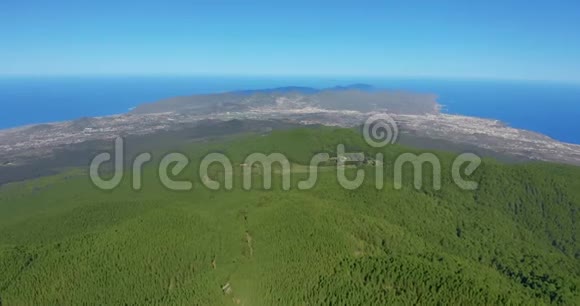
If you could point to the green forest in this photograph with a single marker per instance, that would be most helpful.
(512, 241)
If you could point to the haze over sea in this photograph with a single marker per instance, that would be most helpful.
(546, 107)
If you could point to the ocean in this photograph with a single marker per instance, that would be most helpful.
(546, 107)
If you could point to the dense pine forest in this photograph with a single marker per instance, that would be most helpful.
(511, 241)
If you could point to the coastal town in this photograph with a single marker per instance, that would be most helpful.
(23, 143)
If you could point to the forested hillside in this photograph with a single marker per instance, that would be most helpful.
(511, 241)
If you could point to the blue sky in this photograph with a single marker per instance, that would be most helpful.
(537, 40)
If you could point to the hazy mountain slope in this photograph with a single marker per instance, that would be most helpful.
(358, 97)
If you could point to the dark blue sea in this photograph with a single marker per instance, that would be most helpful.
(546, 107)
